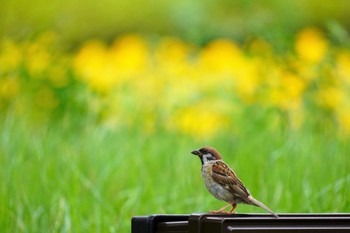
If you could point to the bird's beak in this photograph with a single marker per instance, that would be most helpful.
(196, 152)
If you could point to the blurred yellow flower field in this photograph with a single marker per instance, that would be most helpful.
(101, 105)
(91, 136)
(173, 85)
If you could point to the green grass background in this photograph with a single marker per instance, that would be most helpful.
(92, 179)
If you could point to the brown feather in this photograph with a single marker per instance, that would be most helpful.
(212, 151)
(225, 176)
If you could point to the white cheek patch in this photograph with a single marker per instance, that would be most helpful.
(207, 157)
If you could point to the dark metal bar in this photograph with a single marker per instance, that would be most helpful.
(242, 223)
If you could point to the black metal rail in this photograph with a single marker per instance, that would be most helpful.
(242, 223)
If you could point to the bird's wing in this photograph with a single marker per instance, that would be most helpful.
(225, 176)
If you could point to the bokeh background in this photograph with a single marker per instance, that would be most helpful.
(102, 102)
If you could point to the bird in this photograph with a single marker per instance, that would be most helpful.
(223, 183)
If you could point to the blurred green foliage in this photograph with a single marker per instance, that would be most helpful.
(197, 21)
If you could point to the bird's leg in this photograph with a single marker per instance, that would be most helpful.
(222, 209)
(233, 208)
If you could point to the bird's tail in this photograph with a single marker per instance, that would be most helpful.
(259, 204)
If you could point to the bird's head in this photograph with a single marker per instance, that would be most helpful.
(207, 154)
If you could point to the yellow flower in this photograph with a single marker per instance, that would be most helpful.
(343, 66)
(293, 88)
(223, 62)
(129, 55)
(10, 56)
(285, 90)
(246, 79)
(202, 120)
(37, 59)
(330, 97)
(38, 54)
(90, 59)
(104, 68)
(172, 50)
(220, 56)
(9, 87)
(171, 58)
(91, 65)
(311, 45)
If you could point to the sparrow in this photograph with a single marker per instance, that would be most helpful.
(223, 183)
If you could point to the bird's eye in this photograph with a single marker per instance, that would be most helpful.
(204, 151)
